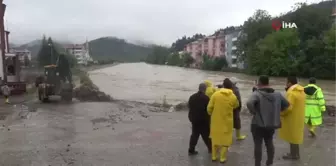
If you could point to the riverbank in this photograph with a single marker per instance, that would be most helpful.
(235, 70)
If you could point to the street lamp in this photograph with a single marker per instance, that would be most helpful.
(51, 55)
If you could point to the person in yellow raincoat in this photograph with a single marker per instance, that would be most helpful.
(220, 108)
(293, 118)
(210, 89)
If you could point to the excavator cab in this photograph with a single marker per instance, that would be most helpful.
(51, 74)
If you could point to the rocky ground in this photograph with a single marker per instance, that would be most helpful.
(121, 133)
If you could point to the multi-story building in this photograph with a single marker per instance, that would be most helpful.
(213, 46)
(23, 55)
(80, 51)
(231, 58)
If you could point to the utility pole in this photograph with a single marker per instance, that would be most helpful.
(2, 40)
(51, 54)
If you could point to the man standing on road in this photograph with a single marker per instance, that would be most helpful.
(220, 108)
(6, 92)
(265, 105)
(292, 119)
(199, 118)
(236, 112)
(315, 105)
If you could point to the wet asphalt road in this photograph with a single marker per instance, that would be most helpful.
(125, 133)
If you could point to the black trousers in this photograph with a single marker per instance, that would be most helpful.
(260, 135)
(203, 129)
(236, 119)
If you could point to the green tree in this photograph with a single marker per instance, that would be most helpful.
(64, 67)
(187, 59)
(276, 54)
(321, 60)
(207, 63)
(180, 44)
(159, 55)
(71, 59)
(48, 53)
(220, 63)
(254, 29)
(312, 20)
(174, 59)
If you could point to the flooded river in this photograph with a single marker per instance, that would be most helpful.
(156, 84)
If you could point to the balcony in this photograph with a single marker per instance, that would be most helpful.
(233, 65)
(234, 39)
(234, 47)
(234, 57)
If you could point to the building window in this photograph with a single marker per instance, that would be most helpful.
(234, 61)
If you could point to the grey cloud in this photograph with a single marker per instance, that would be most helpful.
(159, 21)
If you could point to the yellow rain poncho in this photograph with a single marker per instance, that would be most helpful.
(210, 89)
(220, 108)
(292, 119)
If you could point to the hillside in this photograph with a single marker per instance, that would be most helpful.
(106, 48)
(33, 47)
(117, 49)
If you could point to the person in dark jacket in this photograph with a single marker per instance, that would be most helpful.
(236, 112)
(199, 118)
(265, 105)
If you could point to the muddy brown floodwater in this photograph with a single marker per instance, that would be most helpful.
(154, 83)
(126, 133)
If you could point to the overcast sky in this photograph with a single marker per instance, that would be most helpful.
(156, 21)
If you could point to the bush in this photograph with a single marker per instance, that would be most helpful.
(214, 64)
(85, 79)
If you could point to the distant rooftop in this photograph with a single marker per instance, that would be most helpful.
(74, 46)
(334, 12)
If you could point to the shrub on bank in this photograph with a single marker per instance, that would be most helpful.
(85, 79)
(88, 91)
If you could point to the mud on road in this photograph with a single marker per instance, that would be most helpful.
(43, 134)
(125, 133)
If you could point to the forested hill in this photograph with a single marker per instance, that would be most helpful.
(105, 48)
(111, 48)
(35, 46)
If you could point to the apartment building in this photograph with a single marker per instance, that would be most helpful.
(22, 55)
(213, 46)
(80, 51)
(230, 46)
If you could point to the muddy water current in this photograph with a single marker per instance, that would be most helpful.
(157, 84)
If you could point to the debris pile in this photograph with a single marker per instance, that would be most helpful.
(181, 107)
(87, 91)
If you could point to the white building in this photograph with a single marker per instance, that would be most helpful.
(22, 55)
(81, 52)
(231, 58)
